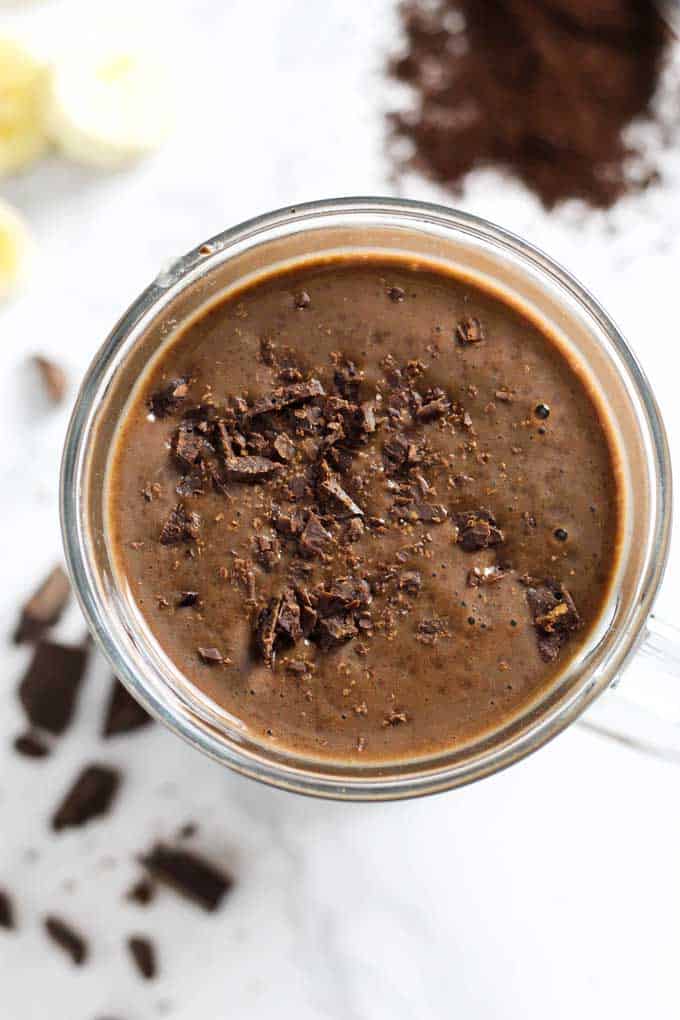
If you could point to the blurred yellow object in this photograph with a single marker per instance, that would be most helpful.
(109, 108)
(15, 249)
(23, 95)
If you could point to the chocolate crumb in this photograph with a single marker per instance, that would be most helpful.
(181, 525)
(169, 399)
(187, 599)
(470, 331)
(188, 874)
(45, 606)
(554, 614)
(144, 955)
(90, 796)
(302, 300)
(6, 911)
(395, 718)
(51, 683)
(124, 714)
(477, 529)
(67, 938)
(396, 294)
(30, 745)
(485, 575)
(53, 378)
(142, 892)
(211, 656)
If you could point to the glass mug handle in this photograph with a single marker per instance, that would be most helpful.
(642, 707)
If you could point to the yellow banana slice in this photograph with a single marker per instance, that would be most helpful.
(15, 249)
(23, 94)
(108, 109)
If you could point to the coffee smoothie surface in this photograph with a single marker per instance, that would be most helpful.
(368, 508)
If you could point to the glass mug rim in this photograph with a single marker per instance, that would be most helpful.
(314, 776)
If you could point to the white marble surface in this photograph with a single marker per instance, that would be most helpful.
(550, 891)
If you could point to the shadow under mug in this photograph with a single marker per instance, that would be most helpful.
(500, 262)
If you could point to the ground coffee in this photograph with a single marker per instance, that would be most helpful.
(542, 88)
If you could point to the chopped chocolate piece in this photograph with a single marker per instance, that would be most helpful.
(347, 379)
(6, 911)
(211, 656)
(297, 666)
(288, 619)
(308, 615)
(470, 331)
(189, 443)
(267, 551)
(187, 599)
(435, 408)
(265, 630)
(330, 489)
(400, 454)
(554, 615)
(249, 469)
(410, 581)
(477, 529)
(314, 539)
(284, 447)
(50, 685)
(90, 796)
(44, 607)
(396, 294)
(190, 875)
(427, 513)
(182, 525)
(335, 630)
(31, 746)
(344, 594)
(302, 300)
(124, 713)
(142, 892)
(192, 484)
(68, 939)
(485, 575)
(505, 396)
(167, 400)
(355, 529)
(395, 718)
(287, 396)
(430, 630)
(144, 955)
(53, 377)
(528, 521)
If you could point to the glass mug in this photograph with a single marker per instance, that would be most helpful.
(500, 262)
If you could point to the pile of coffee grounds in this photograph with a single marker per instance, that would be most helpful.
(541, 88)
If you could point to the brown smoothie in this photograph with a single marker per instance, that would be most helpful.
(368, 508)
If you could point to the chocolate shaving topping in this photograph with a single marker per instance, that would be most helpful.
(314, 540)
(169, 399)
(51, 683)
(188, 599)
(210, 656)
(286, 396)
(190, 875)
(6, 911)
(477, 529)
(288, 618)
(124, 714)
(45, 606)
(143, 953)
(265, 630)
(470, 331)
(90, 796)
(182, 525)
(67, 938)
(554, 614)
(53, 378)
(331, 490)
(410, 581)
(335, 630)
(30, 745)
(266, 551)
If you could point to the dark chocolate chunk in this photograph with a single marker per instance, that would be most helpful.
(335, 630)
(485, 575)
(396, 294)
(187, 599)
(90, 796)
(168, 399)
(288, 619)
(265, 630)
(332, 491)
(190, 875)
(210, 656)
(249, 469)
(345, 594)
(410, 581)
(192, 484)
(435, 408)
(189, 443)
(287, 396)
(284, 447)
(44, 607)
(554, 614)
(50, 685)
(430, 630)
(182, 525)
(53, 377)
(6, 911)
(31, 746)
(267, 551)
(477, 529)
(395, 718)
(400, 454)
(302, 300)
(469, 330)
(144, 955)
(142, 892)
(68, 939)
(314, 540)
(124, 714)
